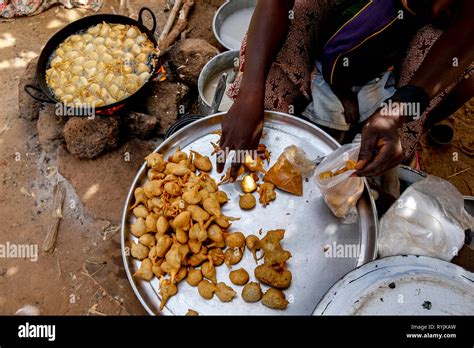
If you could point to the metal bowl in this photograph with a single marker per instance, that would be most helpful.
(216, 65)
(228, 9)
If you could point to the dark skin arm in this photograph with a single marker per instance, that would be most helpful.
(381, 148)
(243, 124)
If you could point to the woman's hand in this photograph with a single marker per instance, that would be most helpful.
(241, 130)
(381, 148)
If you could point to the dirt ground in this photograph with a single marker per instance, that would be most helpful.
(85, 273)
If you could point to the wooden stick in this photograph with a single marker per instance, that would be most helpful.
(458, 173)
(170, 21)
(180, 25)
(50, 241)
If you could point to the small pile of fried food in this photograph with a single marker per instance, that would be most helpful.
(181, 231)
(273, 272)
(349, 165)
(100, 66)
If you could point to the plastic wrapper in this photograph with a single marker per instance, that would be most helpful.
(288, 171)
(428, 219)
(339, 190)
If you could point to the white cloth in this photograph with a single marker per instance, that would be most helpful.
(327, 110)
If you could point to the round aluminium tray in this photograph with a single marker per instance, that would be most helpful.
(309, 225)
(402, 285)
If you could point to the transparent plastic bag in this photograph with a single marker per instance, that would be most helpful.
(299, 160)
(428, 219)
(340, 192)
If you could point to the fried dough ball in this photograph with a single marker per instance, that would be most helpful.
(181, 236)
(253, 244)
(147, 240)
(252, 292)
(214, 233)
(150, 222)
(192, 196)
(162, 225)
(182, 273)
(163, 244)
(140, 211)
(139, 251)
(156, 269)
(224, 293)
(220, 196)
(212, 206)
(145, 271)
(156, 162)
(140, 197)
(192, 313)
(267, 193)
(198, 258)
(209, 271)
(235, 240)
(270, 276)
(138, 228)
(183, 220)
(248, 184)
(198, 214)
(167, 290)
(206, 289)
(216, 256)
(275, 299)
(247, 201)
(232, 257)
(239, 276)
(194, 276)
(201, 162)
(177, 169)
(194, 245)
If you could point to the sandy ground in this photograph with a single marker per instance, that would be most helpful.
(85, 273)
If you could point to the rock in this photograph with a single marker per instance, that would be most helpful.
(102, 184)
(167, 102)
(28, 107)
(50, 128)
(141, 125)
(89, 137)
(189, 57)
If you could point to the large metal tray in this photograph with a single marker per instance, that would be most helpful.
(309, 225)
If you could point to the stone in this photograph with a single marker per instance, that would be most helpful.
(167, 102)
(141, 125)
(50, 128)
(28, 107)
(102, 183)
(189, 57)
(89, 137)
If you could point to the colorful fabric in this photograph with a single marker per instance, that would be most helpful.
(18, 8)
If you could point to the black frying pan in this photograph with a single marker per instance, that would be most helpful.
(43, 91)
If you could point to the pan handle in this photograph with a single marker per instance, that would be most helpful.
(140, 19)
(40, 98)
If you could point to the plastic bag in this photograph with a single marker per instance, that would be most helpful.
(428, 219)
(288, 171)
(340, 192)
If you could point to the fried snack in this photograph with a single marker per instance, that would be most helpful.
(273, 252)
(254, 165)
(253, 244)
(235, 240)
(192, 313)
(216, 256)
(194, 276)
(285, 177)
(208, 270)
(145, 271)
(101, 66)
(247, 201)
(224, 293)
(167, 289)
(272, 277)
(232, 257)
(267, 193)
(350, 165)
(275, 299)
(206, 289)
(248, 184)
(201, 162)
(139, 251)
(252, 292)
(239, 276)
